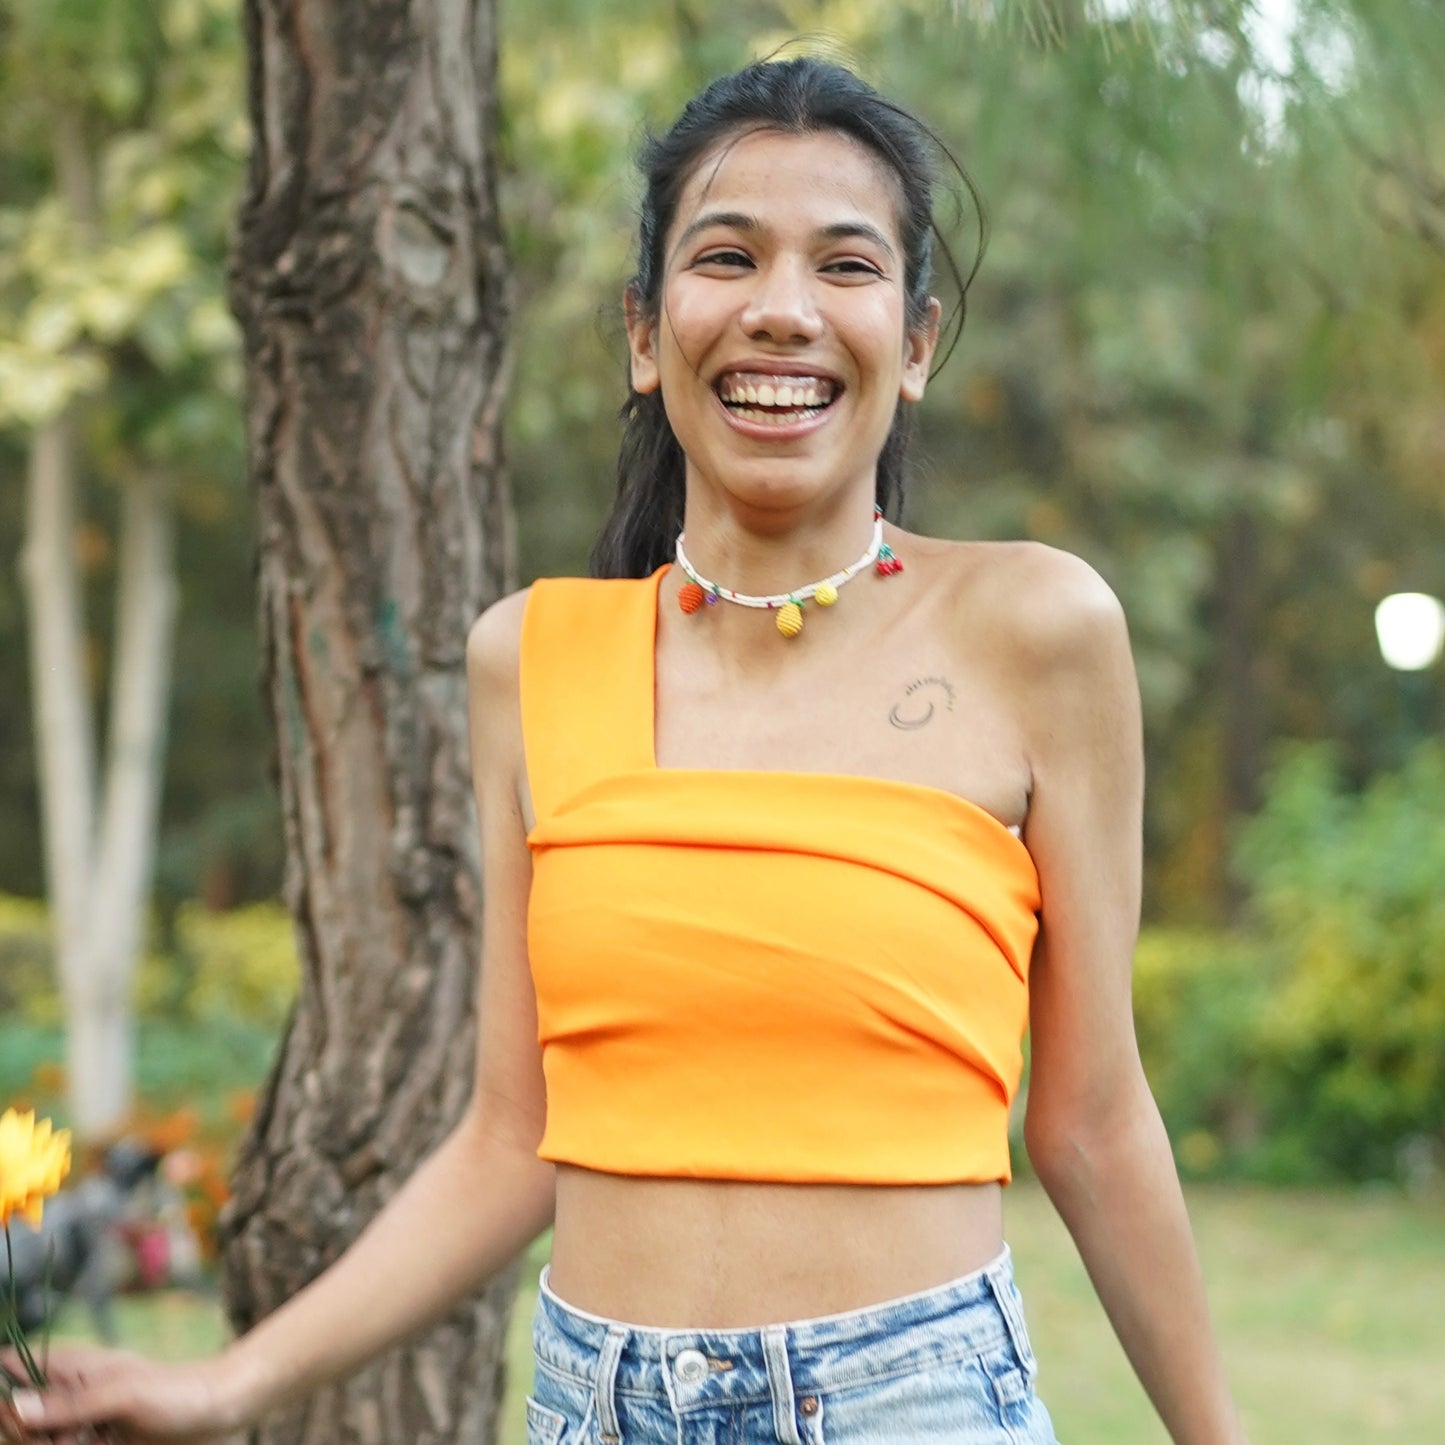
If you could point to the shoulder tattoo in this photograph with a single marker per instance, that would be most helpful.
(920, 701)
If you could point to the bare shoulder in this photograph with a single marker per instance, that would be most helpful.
(1047, 607)
(494, 700)
(494, 644)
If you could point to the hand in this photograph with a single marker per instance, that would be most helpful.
(111, 1396)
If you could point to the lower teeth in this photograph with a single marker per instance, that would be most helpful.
(777, 418)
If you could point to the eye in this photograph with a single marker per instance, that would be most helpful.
(853, 266)
(724, 256)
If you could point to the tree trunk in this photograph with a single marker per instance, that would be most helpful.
(64, 722)
(97, 863)
(98, 859)
(134, 767)
(65, 745)
(371, 287)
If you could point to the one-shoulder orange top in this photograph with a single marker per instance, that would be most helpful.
(755, 974)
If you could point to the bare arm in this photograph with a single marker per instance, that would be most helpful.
(478, 1199)
(1093, 1131)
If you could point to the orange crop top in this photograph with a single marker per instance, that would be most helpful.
(755, 974)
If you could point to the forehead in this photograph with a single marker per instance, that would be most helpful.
(779, 178)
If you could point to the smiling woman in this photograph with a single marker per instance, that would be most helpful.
(767, 916)
(876, 216)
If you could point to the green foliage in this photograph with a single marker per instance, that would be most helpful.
(1347, 894)
(121, 157)
(238, 967)
(210, 1070)
(127, 117)
(209, 1010)
(1198, 997)
(27, 977)
(1312, 1045)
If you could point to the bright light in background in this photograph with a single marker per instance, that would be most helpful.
(1270, 31)
(1411, 629)
(1270, 26)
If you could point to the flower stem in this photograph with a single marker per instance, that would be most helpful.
(12, 1323)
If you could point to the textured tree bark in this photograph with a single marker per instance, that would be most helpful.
(370, 282)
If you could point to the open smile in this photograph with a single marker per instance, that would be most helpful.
(768, 399)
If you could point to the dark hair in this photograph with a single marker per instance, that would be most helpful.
(798, 96)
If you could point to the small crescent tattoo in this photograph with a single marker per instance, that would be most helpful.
(936, 685)
(909, 724)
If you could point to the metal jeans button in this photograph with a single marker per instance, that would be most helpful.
(690, 1367)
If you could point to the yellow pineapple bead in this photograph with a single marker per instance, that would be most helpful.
(790, 619)
(826, 595)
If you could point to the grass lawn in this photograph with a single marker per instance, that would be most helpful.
(1328, 1306)
(1331, 1307)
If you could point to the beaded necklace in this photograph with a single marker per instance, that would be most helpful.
(788, 605)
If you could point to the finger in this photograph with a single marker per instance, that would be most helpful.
(66, 1407)
(12, 1368)
(71, 1362)
(9, 1425)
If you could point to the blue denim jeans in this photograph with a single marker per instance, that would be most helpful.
(951, 1363)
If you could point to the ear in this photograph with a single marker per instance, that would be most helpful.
(641, 342)
(918, 353)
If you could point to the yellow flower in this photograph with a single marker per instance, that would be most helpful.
(33, 1161)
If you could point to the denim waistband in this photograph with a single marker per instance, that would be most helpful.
(698, 1368)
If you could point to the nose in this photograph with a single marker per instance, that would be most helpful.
(780, 306)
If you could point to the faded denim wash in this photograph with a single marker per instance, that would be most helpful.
(948, 1364)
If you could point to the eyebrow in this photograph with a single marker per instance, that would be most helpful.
(740, 221)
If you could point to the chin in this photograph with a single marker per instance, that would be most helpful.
(782, 495)
(786, 489)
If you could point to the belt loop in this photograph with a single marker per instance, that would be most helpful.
(1005, 1291)
(780, 1381)
(607, 1363)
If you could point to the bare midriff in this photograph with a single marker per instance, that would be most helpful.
(727, 1254)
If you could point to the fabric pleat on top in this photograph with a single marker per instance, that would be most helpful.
(756, 975)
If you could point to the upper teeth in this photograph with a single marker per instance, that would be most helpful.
(752, 389)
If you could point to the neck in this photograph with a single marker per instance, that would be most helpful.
(767, 553)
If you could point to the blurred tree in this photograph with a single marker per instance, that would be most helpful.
(1168, 340)
(372, 290)
(109, 326)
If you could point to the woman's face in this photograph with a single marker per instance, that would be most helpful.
(781, 346)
